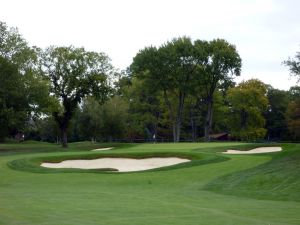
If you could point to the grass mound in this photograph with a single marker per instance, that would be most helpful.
(278, 179)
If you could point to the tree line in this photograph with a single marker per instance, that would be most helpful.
(181, 90)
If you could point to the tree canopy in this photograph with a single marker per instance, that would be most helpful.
(182, 67)
(74, 74)
(294, 65)
(248, 102)
(183, 89)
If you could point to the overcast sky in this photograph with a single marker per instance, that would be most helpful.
(265, 32)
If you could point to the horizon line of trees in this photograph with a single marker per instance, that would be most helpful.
(181, 90)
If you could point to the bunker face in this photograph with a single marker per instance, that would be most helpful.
(255, 150)
(101, 149)
(121, 164)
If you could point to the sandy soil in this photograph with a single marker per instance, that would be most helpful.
(121, 164)
(255, 150)
(101, 149)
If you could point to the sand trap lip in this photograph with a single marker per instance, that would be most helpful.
(255, 150)
(101, 149)
(121, 164)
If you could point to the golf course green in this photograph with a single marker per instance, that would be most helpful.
(213, 188)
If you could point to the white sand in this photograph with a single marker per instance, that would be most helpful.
(101, 149)
(121, 164)
(255, 150)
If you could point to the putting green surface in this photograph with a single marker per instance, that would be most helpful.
(213, 189)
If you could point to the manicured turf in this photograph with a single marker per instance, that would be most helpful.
(212, 189)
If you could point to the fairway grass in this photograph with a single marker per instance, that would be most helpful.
(212, 189)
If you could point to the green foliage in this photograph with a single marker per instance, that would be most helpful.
(103, 121)
(176, 89)
(169, 70)
(181, 68)
(145, 109)
(293, 118)
(275, 115)
(14, 48)
(294, 65)
(74, 74)
(24, 94)
(248, 101)
(13, 101)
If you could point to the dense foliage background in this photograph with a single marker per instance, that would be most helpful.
(183, 90)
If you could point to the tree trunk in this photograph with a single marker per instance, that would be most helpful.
(193, 124)
(208, 120)
(176, 116)
(176, 130)
(64, 137)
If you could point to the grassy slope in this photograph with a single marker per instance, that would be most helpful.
(277, 179)
(162, 197)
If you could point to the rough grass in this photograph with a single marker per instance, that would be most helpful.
(190, 193)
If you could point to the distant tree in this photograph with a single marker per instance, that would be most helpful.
(275, 115)
(293, 119)
(115, 117)
(74, 74)
(145, 109)
(91, 119)
(47, 129)
(294, 65)
(292, 115)
(103, 121)
(294, 93)
(248, 101)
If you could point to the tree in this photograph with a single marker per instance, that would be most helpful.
(14, 105)
(74, 74)
(222, 65)
(275, 115)
(248, 101)
(90, 119)
(292, 115)
(115, 114)
(14, 48)
(294, 65)
(145, 109)
(24, 94)
(293, 119)
(169, 69)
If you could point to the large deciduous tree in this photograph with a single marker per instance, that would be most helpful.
(169, 70)
(74, 74)
(222, 65)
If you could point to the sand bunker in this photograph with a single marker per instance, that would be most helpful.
(101, 149)
(121, 164)
(255, 150)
